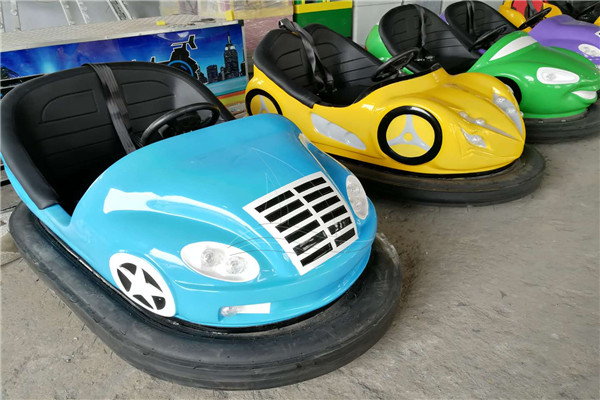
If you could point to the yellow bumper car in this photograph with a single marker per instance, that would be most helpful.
(428, 136)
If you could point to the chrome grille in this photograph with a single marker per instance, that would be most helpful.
(309, 218)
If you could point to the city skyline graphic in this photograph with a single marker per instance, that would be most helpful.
(210, 43)
(211, 48)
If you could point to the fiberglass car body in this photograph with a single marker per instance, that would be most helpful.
(518, 10)
(207, 235)
(431, 124)
(556, 88)
(554, 28)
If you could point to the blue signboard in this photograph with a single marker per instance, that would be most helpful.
(213, 55)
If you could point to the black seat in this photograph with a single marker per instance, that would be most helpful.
(576, 8)
(57, 135)
(281, 55)
(411, 25)
(471, 19)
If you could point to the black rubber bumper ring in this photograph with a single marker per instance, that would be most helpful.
(538, 131)
(515, 181)
(215, 358)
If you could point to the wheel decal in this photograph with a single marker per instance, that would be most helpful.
(412, 138)
(415, 141)
(266, 103)
(142, 283)
(263, 107)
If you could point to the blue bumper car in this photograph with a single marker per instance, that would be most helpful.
(235, 256)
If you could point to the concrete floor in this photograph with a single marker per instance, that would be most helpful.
(500, 302)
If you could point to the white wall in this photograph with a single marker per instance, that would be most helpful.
(48, 13)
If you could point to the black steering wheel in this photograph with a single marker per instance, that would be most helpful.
(169, 120)
(487, 38)
(393, 66)
(588, 10)
(535, 19)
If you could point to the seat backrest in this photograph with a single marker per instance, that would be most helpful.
(411, 25)
(281, 56)
(471, 19)
(575, 8)
(57, 135)
(350, 64)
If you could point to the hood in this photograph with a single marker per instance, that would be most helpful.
(526, 52)
(203, 177)
(564, 26)
(566, 32)
(225, 166)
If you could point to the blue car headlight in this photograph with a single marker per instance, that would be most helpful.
(357, 197)
(220, 261)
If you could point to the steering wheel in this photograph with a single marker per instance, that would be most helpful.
(487, 38)
(393, 66)
(587, 10)
(535, 19)
(169, 120)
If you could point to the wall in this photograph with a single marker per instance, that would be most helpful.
(47, 13)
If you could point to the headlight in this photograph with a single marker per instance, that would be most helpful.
(555, 76)
(589, 50)
(336, 132)
(475, 140)
(357, 197)
(220, 261)
(510, 110)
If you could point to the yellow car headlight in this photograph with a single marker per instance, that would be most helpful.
(510, 110)
(475, 140)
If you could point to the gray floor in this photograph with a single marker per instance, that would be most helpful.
(500, 302)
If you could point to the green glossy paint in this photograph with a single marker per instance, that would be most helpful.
(339, 20)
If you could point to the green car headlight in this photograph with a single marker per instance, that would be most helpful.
(556, 76)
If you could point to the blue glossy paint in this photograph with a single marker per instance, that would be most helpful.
(193, 188)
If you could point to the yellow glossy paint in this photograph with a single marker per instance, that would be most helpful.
(442, 95)
(517, 19)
